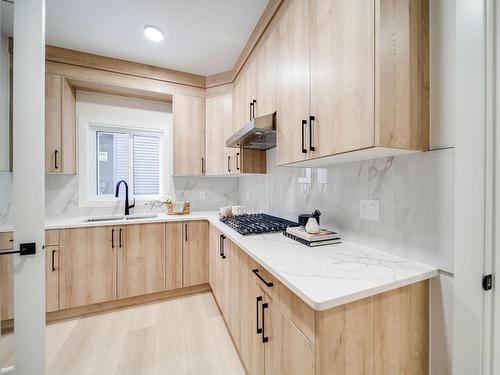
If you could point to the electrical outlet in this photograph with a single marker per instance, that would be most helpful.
(202, 195)
(369, 209)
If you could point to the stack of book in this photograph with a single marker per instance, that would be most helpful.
(323, 237)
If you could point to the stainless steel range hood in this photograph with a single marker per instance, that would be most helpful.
(258, 134)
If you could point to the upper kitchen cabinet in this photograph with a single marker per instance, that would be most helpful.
(60, 125)
(189, 135)
(264, 101)
(220, 159)
(352, 80)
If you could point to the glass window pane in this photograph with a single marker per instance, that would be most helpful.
(146, 165)
(112, 160)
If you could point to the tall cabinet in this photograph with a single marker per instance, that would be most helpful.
(352, 75)
(60, 125)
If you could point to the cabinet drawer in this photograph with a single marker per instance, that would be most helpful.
(6, 241)
(299, 312)
(52, 237)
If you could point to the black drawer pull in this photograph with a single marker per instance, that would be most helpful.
(223, 247)
(56, 154)
(264, 338)
(304, 150)
(53, 256)
(229, 164)
(120, 239)
(256, 272)
(259, 299)
(112, 238)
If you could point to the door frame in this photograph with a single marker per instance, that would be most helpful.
(475, 163)
(29, 185)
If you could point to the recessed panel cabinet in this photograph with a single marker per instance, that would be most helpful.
(60, 125)
(195, 253)
(189, 135)
(352, 75)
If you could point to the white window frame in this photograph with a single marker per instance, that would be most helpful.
(88, 126)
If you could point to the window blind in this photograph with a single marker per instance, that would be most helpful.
(146, 164)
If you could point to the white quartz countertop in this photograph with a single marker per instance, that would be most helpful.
(324, 277)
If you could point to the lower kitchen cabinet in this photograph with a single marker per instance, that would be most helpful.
(51, 278)
(195, 253)
(286, 349)
(6, 287)
(140, 259)
(224, 279)
(173, 255)
(251, 346)
(88, 266)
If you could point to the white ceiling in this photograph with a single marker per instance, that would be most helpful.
(201, 36)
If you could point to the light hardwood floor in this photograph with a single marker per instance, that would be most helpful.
(180, 336)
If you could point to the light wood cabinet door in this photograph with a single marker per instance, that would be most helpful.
(6, 287)
(251, 346)
(141, 259)
(53, 129)
(250, 73)
(219, 128)
(266, 76)
(173, 257)
(293, 68)
(52, 278)
(88, 266)
(215, 265)
(195, 253)
(189, 135)
(287, 350)
(342, 76)
(240, 104)
(60, 125)
(233, 270)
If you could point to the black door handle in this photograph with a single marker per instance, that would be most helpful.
(311, 124)
(259, 299)
(254, 105)
(237, 161)
(251, 111)
(229, 164)
(223, 247)
(112, 238)
(304, 150)
(264, 338)
(53, 256)
(120, 239)
(56, 153)
(256, 272)
(186, 232)
(202, 165)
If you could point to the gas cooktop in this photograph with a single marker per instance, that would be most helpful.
(257, 223)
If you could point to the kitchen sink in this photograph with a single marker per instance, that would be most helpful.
(103, 219)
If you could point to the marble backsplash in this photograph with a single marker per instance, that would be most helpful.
(415, 192)
(61, 196)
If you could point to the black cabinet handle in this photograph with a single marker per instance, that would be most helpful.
(53, 259)
(112, 238)
(311, 124)
(120, 239)
(229, 164)
(56, 153)
(254, 105)
(202, 165)
(223, 247)
(256, 272)
(251, 111)
(304, 150)
(220, 245)
(259, 299)
(238, 161)
(186, 232)
(264, 338)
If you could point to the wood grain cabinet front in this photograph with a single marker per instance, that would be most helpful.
(60, 125)
(195, 252)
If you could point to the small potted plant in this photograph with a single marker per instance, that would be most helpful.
(173, 208)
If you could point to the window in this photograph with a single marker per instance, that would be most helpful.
(132, 157)
(114, 152)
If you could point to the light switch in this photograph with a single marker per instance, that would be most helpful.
(369, 209)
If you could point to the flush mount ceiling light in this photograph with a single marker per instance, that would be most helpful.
(153, 33)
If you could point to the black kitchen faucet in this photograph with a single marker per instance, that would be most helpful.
(127, 207)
